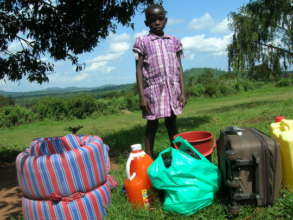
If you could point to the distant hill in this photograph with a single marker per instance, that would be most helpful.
(62, 91)
(49, 91)
(98, 91)
(195, 72)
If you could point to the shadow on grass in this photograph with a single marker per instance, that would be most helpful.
(242, 106)
(8, 154)
(120, 141)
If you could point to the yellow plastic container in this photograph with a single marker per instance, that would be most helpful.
(282, 132)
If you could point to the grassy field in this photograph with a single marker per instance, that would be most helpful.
(250, 109)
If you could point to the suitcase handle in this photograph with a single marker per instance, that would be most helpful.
(244, 196)
(233, 130)
(257, 190)
(243, 163)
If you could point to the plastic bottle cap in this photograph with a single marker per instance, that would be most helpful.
(279, 118)
(136, 147)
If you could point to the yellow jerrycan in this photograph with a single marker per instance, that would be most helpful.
(282, 132)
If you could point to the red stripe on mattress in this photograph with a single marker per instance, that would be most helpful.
(94, 202)
(39, 177)
(51, 147)
(40, 211)
(65, 144)
(52, 175)
(68, 176)
(81, 208)
(102, 157)
(66, 210)
(82, 168)
(29, 183)
(95, 166)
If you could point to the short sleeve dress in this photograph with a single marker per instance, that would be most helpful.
(161, 74)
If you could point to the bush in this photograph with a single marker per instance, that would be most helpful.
(4, 101)
(212, 89)
(15, 115)
(245, 85)
(207, 77)
(196, 90)
(285, 82)
(52, 108)
(102, 106)
(132, 103)
(81, 106)
(226, 88)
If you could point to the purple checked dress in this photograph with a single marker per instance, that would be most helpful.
(161, 74)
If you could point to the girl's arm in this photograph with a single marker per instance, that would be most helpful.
(143, 102)
(182, 97)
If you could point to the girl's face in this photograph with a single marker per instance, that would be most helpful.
(156, 21)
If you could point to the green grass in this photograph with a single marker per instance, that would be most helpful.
(248, 109)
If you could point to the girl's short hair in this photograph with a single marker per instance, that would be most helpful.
(153, 6)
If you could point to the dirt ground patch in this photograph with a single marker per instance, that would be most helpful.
(10, 193)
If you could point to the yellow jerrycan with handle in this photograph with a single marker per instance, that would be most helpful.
(282, 132)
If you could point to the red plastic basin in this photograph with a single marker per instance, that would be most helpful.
(200, 140)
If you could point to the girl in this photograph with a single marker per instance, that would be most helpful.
(159, 76)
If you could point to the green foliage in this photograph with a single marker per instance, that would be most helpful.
(80, 106)
(132, 102)
(8, 153)
(263, 38)
(212, 85)
(6, 101)
(285, 82)
(51, 107)
(63, 29)
(195, 72)
(196, 90)
(15, 115)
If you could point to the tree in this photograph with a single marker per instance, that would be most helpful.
(263, 38)
(61, 29)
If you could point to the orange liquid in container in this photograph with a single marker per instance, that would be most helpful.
(137, 184)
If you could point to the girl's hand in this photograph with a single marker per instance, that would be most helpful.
(145, 106)
(182, 100)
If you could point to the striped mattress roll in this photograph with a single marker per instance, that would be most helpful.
(86, 206)
(62, 166)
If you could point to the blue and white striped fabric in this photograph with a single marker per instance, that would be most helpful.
(63, 167)
(89, 206)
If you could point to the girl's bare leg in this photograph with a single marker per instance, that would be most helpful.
(150, 133)
(170, 123)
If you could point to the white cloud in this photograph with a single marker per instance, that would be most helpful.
(80, 77)
(222, 27)
(143, 32)
(107, 57)
(188, 54)
(97, 65)
(101, 66)
(120, 37)
(204, 22)
(207, 22)
(68, 77)
(118, 46)
(201, 43)
(172, 21)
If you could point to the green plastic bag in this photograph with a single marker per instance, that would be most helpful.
(187, 177)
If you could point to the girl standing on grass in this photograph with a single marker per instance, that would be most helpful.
(159, 76)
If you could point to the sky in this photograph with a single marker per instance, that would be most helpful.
(201, 25)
